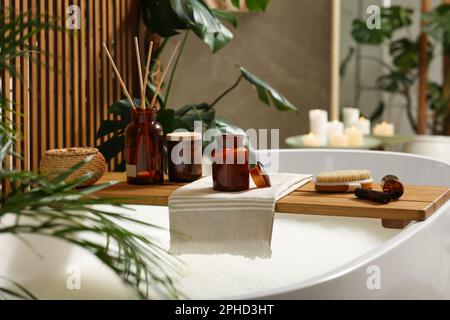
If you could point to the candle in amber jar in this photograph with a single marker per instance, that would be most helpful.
(231, 170)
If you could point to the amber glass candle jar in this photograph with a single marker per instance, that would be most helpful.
(185, 156)
(144, 139)
(231, 170)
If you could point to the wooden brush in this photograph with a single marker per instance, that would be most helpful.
(344, 181)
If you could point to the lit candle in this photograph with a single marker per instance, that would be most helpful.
(318, 120)
(351, 117)
(384, 129)
(355, 137)
(364, 126)
(339, 140)
(335, 128)
(311, 140)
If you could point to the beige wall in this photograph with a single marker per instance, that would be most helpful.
(288, 46)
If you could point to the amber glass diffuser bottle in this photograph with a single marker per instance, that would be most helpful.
(144, 148)
(231, 164)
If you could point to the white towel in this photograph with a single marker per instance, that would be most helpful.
(205, 221)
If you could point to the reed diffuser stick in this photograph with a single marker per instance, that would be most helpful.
(141, 80)
(163, 77)
(147, 70)
(119, 77)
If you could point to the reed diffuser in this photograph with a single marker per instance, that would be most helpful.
(144, 136)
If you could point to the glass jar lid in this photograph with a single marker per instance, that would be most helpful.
(260, 176)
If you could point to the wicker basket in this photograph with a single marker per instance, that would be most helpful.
(55, 162)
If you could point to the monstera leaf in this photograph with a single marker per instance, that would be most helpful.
(168, 17)
(160, 18)
(392, 19)
(438, 25)
(405, 54)
(394, 82)
(266, 93)
(200, 19)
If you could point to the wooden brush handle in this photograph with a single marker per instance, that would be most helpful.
(375, 196)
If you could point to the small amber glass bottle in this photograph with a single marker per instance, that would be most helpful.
(144, 140)
(185, 156)
(392, 185)
(231, 170)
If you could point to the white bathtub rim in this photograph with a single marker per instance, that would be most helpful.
(368, 152)
(352, 265)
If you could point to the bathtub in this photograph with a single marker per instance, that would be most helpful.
(314, 257)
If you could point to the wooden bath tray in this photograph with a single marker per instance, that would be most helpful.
(417, 204)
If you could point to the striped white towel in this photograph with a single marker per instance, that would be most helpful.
(205, 221)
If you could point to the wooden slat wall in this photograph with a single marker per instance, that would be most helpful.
(62, 94)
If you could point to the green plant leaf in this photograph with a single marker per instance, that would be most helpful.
(170, 122)
(226, 126)
(122, 108)
(201, 20)
(19, 291)
(236, 3)
(168, 17)
(161, 18)
(405, 54)
(436, 100)
(392, 19)
(224, 15)
(111, 148)
(437, 25)
(267, 94)
(111, 126)
(201, 112)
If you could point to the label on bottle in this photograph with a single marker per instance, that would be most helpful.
(131, 171)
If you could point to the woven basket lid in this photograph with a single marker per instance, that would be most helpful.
(70, 152)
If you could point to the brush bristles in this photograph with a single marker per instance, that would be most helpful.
(344, 176)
